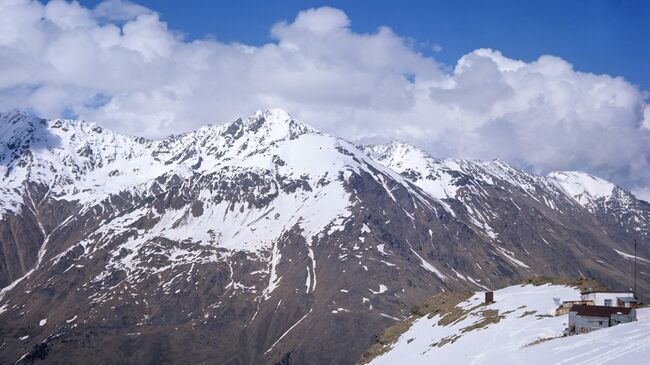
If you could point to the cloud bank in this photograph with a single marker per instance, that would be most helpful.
(120, 65)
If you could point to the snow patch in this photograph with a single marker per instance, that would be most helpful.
(631, 257)
(427, 266)
(382, 289)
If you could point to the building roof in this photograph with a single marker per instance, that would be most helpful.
(627, 299)
(606, 292)
(598, 310)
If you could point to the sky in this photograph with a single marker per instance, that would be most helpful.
(611, 37)
(552, 85)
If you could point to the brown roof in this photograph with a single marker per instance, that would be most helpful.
(598, 310)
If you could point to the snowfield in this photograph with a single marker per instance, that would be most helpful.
(523, 330)
(584, 188)
(623, 344)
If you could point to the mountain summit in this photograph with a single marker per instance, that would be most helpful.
(236, 242)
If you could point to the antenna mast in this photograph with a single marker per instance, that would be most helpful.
(635, 268)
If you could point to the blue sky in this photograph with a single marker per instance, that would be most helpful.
(604, 37)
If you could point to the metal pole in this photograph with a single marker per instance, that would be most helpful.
(635, 268)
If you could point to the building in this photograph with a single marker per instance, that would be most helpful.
(585, 318)
(567, 304)
(609, 298)
(627, 302)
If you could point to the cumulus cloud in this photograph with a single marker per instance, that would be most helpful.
(120, 65)
(118, 10)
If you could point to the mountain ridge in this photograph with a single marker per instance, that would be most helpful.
(253, 233)
(277, 117)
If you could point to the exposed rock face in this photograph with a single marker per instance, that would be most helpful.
(265, 241)
(547, 223)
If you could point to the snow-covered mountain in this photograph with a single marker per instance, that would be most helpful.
(233, 243)
(463, 180)
(584, 188)
(519, 327)
(509, 204)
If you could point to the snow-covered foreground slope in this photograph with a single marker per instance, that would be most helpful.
(623, 344)
(518, 328)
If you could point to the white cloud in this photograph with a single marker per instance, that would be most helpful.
(118, 10)
(318, 21)
(642, 192)
(646, 117)
(119, 64)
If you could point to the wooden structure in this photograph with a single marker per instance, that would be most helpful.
(489, 297)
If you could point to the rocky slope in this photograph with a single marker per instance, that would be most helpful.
(238, 242)
(535, 220)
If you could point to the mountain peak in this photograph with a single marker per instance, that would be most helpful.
(583, 187)
(14, 119)
(401, 145)
(276, 114)
(397, 151)
(18, 130)
(273, 124)
(13, 114)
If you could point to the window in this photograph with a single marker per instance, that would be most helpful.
(608, 302)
